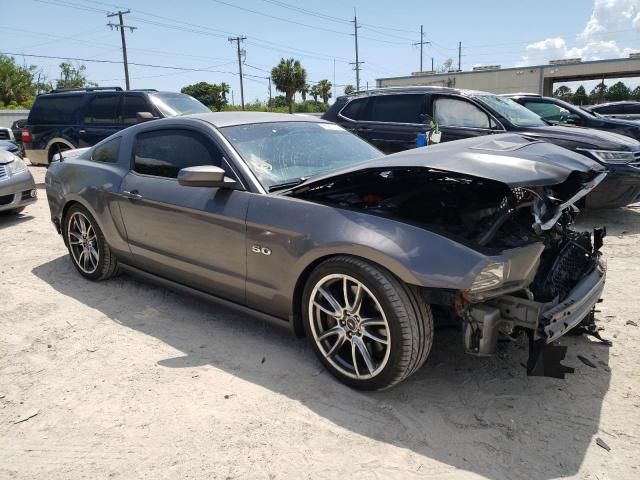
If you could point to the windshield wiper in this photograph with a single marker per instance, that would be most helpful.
(287, 184)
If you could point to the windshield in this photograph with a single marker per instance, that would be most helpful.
(512, 111)
(174, 104)
(282, 152)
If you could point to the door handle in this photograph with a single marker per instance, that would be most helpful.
(365, 129)
(134, 195)
(82, 131)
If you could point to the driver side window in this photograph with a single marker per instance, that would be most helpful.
(453, 112)
(163, 153)
(548, 111)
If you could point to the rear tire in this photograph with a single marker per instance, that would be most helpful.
(370, 330)
(88, 249)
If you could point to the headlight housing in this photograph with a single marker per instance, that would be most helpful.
(17, 166)
(489, 277)
(612, 156)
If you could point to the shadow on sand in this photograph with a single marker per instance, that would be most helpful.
(481, 415)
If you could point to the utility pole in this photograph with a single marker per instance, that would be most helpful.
(269, 78)
(357, 62)
(238, 40)
(432, 64)
(459, 56)
(121, 27)
(422, 43)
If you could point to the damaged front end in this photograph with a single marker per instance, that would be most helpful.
(511, 200)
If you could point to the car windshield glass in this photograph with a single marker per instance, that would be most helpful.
(174, 104)
(572, 108)
(512, 111)
(283, 152)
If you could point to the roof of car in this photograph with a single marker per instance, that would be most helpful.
(621, 102)
(416, 89)
(227, 119)
(520, 94)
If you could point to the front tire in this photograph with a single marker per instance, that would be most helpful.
(368, 329)
(88, 249)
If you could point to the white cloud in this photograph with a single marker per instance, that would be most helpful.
(608, 18)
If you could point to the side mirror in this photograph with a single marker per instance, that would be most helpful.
(205, 176)
(573, 119)
(145, 117)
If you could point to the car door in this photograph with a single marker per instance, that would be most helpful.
(459, 118)
(100, 120)
(192, 235)
(132, 104)
(392, 122)
(350, 116)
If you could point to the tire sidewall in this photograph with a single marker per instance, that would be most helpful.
(337, 266)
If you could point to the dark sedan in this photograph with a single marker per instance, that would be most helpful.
(300, 222)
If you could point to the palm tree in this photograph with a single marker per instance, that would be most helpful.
(305, 91)
(289, 77)
(324, 88)
(315, 93)
(225, 88)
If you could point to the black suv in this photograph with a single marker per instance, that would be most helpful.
(76, 118)
(392, 118)
(624, 110)
(559, 112)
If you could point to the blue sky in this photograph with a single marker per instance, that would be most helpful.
(495, 32)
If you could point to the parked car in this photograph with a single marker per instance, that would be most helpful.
(78, 118)
(6, 134)
(626, 110)
(11, 147)
(297, 221)
(558, 112)
(16, 129)
(17, 188)
(391, 119)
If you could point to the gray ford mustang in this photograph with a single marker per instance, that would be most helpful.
(296, 220)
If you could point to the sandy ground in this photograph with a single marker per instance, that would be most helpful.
(127, 380)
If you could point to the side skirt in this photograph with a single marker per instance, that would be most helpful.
(170, 284)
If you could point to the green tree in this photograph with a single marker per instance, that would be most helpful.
(314, 92)
(289, 77)
(73, 77)
(16, 82)
(635, 94)
(278, 101)
(580, 97)
(563, 93)
(598, 94)
(212, 95)
(617, 92)
(305, 91)
(349, 89)
(324, 88)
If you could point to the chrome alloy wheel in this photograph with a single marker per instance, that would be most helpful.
(83, 243)
(349, 326)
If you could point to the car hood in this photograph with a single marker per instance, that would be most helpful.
(581, 137)
(511, 159)
(8, 146)
(6, 157)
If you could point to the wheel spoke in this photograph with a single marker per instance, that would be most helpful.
(372, 322)
(94, 256)
(364, 353)
(77, 237)
(374, 337)
(357, 301)
(335, 305)
(335, 331)
(354, 360)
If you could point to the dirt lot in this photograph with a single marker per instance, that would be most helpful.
(127, 380)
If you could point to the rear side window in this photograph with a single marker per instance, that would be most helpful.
(103, 109)
(107, 152)
(397, 108)
(632, 109)
(451, 112)
(163, 153)
(55, 110)
(354, 109)
(609, 109)
(131, 105)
